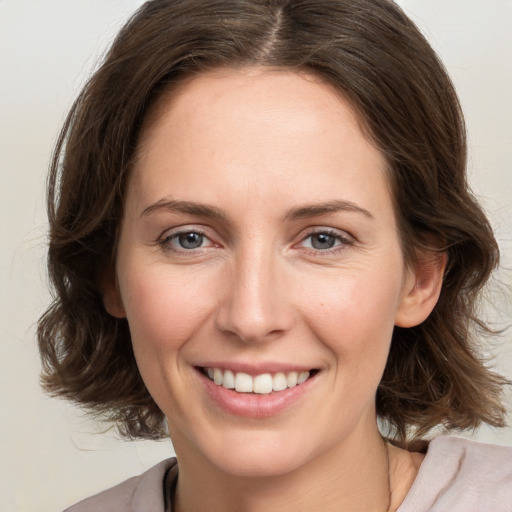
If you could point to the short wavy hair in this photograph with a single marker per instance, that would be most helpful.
(375, 56)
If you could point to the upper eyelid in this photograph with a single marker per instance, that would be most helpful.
(218, 233)
(186, 232)
(201, 229)
(340, 233)
(186, 228)
(165, 239)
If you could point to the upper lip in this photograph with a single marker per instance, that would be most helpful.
(256, 368)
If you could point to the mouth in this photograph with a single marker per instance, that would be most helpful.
(261, 384)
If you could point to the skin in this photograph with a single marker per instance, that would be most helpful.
(258, 146)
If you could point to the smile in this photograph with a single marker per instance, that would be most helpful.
(263, 384)
(258, 393)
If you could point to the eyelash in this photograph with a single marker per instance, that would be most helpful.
(343, 241)
(166, 242)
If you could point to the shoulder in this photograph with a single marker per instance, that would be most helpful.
(143, 493)
(461, 475)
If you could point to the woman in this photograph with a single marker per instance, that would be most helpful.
(261, 231)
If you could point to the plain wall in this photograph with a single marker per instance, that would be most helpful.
(50, 454)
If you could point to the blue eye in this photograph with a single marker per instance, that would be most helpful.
(189, 240)
(325, 240)
(185, 241)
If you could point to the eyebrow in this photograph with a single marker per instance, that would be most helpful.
(317, 209)
(211, 212)
(188, 207)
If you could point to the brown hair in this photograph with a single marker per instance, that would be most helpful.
(376, 57)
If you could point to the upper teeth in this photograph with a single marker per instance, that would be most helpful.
(263, 384)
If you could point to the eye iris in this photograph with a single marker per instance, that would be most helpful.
(322, 241)
(190, 240)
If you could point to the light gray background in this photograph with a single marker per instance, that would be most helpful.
(50, 454)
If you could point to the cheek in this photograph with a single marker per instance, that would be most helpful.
(354, 317)
(164, 308)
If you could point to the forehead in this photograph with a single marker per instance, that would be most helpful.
(250, 129)
(262, 94)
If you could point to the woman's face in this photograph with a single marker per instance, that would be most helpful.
(259, 242)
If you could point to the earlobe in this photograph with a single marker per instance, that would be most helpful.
(110, 295)
(422, 288)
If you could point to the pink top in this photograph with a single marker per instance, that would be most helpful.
(456, 476)
(462, 476)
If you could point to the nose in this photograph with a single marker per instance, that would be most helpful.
(255, 306)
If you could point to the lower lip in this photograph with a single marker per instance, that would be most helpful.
(253, 405)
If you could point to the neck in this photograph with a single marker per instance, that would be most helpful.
(352, 477)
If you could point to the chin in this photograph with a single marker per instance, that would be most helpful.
(262, 454)
(262, 465)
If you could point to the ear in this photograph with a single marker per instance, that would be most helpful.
(109, 289)
(422, 287)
